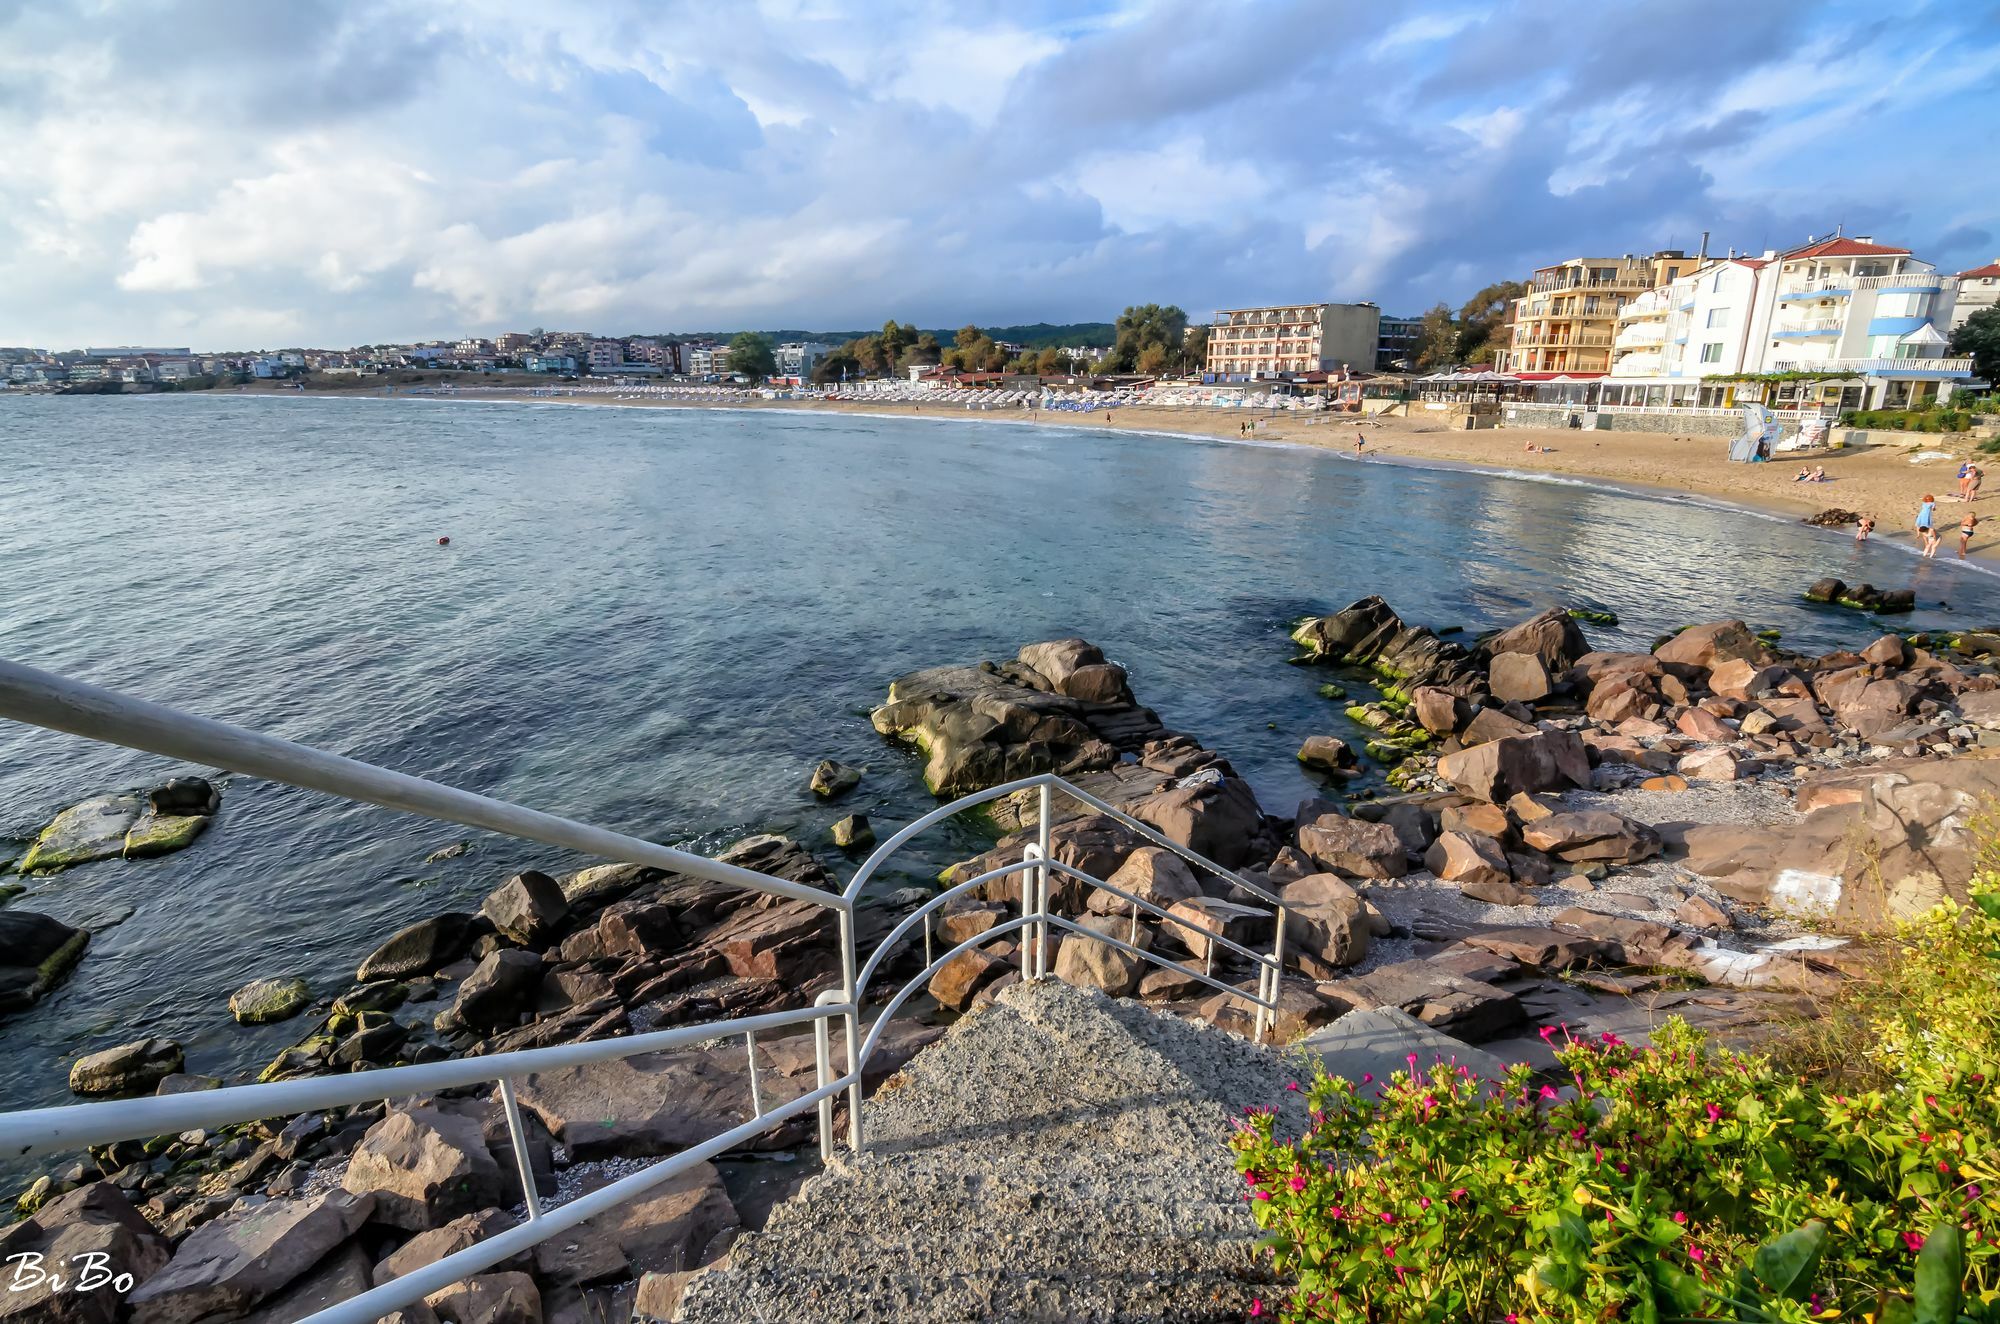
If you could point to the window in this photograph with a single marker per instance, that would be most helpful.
(1712, 352)
(1715, 284)
(1717, 318)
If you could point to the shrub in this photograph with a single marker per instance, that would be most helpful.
(1933, 419)
(1680, 1180)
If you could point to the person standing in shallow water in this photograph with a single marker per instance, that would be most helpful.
(1864, 528)
(1926, 515)
(1965, 528)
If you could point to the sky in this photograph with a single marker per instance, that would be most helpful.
(230, 175)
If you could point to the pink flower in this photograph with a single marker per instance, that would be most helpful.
(1913, 1241)
(1680, 1217)
(1262, 1195)
(1297, 1184)
(1714, 1113)
(1547, 1031)
(1458, 1193)
(1388, 1217)
(1256, 1306)
(1611, 1039)
(1513, 1318)
(1548, 1091)
(1423, 1202)
(1367, 1078)
(1292, 1086)
(1624, 1170)
(1696, 1254)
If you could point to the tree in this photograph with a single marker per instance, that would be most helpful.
(1194, 350)
(1152, 360)
(1482, 316)
(924, 351)
(841, 365)
(968, 335)
(1980, 337)
(1142, 325)
(750, 356)
(1437, 339)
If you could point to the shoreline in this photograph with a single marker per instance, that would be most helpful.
(1414, 444)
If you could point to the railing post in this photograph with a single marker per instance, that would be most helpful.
(823, 1061)
(756, 1096)
(1043, 815)
(1031, 908)
(853, 1024)
(519, 1136)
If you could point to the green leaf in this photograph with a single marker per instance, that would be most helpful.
(1895, 1310)
(1940, 1275)
(1988, 903)
(1786, 1264)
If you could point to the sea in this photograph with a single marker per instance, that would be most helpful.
(659, 620)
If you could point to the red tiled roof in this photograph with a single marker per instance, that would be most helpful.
(1844, 248)
(1990, 269)
(1751, 262)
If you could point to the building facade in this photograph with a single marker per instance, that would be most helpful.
(1978, 290)
(797, 358)
(1247, 343)
(1565, 324)
(1396, 342)
(1836, 323)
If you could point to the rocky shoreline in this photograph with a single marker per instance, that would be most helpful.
(1566, 834)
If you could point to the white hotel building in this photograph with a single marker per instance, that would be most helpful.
(1873, 319)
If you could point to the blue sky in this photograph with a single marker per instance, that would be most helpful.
(227, 174)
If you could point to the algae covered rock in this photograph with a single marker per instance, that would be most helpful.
(127, 1069)
(265, 1000)
(36, 951)
(163, 834)
(131, 824)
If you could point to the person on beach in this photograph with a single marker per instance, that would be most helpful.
(1359, 442)
(1964, 479)
(1818, 475)
(1863, 529)
(1931, 540)
(1972, 485)
(1926, 515)
(1802, 476)
(1965, 528)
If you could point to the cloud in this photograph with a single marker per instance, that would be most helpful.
(342, 173)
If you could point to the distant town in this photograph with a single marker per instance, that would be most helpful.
(1837, 322)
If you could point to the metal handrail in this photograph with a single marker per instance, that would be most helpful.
(54, 702)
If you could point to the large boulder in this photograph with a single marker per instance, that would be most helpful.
(1706, 646)
(499, 990)
(1096, 844)
(981, 727)
(489, 1298)
(262, 1001)
(422, 948)
(959, 980)
(1368, 633)
(1217, 818)
(1468, 858)
(424, 1167)
(429, 1247)
(528, 908)
(1077, 669)
(1465, 1008)
(1326, 924)
(1151, 873)
(1203, 918)
(36, 952)
(92, 830)
(134, 1068)
(788, 940)
(1553, 638)
(1088, 963)
(93, 1224)
(230, 1264)
(1547, 760)
(1592, 836)
(1518, 678)
(1352, 847)
(668, 1229)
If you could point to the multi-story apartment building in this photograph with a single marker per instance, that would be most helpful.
(1866, 323)
(1397, 340)
(1566, 322)
(549, 362)
(605, 355)
(705, 360)
(1978, 290)
(513, 342)
(796, 359)
(1286, 338)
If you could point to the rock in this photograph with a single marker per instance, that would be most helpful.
(1170, 984)
(489, 1298)
(262, 1001)
(1702, 725)
(1699, 913)
(1496, 892)
(343, 1274)
(1369, 634)
(230, 1264)
(1300, 1008)
(1102, 682)
(422, 948)
(424, 1167)
(1458, 1006)
(1498, 769)
(961, 922)
(1096, 844)
(1741, 678)
(1758, 722)
(185, 796)
(1436, 710)
(833, 779)
(1327, 753)
(1353, 847)
(1469, 859)
(1490, 724)
(183, 1083)
(787, 940)
(1219, 820)
(1592, 835)
(669, 1229)
(127, 1069)
(1707, 645)
(1887, 651)
(1552, 638)
(1379, 1043)
(495, 994)
(593, 889)
(1527, 808)
(1711, 765)
(853, 833)
(91, 1221)
(980, 728)
(1670, 782)
(1545, 949)
(781, 857)
(155, 833)
(453, 1237)
(1151, 873)
(528, 908)
(1477, 817)
(1090, 964)
(36, 952)
(1202, 916)
(964, 975)
(1326, 924)
(92, 830)
(1076, 668)
(1618, 699)
(1518, 678)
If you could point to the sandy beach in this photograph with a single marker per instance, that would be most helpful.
(1884, 481)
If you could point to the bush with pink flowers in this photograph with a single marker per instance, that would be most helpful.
(1675, 1181)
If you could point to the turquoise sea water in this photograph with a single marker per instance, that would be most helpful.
(659, 620)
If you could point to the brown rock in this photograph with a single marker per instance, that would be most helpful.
(1491, 724)
(1699, 913)
(1708, 645)
(92, 1220)
(423, 1168)
(1552, 637)
(1518, 678)
(1617, 699)
(668, 1229)
(787, 940)
(1458, 1006)
(1221, 821)
(1088, 963)
(1548, 949)
(1496, 892)
(1326, 924)
(1711, 765)
(1355, 848)
(227, 1266)
(490, 1298)
(968, 921)
(1496, 770)
(1669, 782)
(1888, 651)
(432, 1246)
(1436, 710)
(1593, 835)
(528, 908)
(1327, 753)
(1202, 916)
(1151, 873)
(1467, 859)
(1477, 816)
(964, 975)
(1527, 808)
(1300, 1008)
(1702, 725)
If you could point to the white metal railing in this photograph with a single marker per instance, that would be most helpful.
(1874, 365)
(1913, 280)
(1826, 286)
(40, 699)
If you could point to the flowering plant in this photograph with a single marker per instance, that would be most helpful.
(1672, 1181)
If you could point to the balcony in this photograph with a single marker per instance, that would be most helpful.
(1635, 281)
(1825, 326)
(1909, 282)
(1935, 367)
(1642, 333)
(1827, 287)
